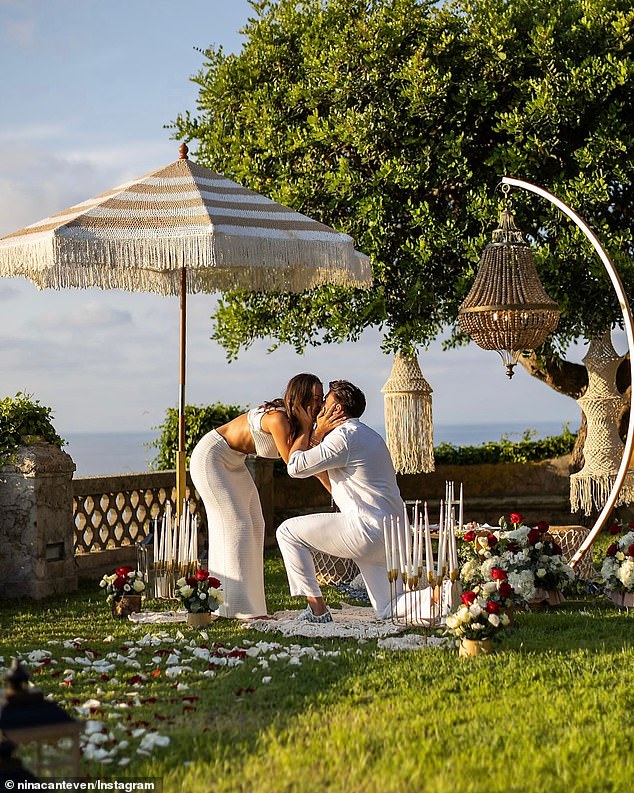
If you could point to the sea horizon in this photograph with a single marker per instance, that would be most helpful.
(105, 453)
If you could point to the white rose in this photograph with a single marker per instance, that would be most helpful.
(127, 588)
(202, 596)
(181, 582)
(494, 620)
(475, 610)
(540, 573)
(504, 620)
(138, 585)
(490, 586)
(620, 556)
(539, 545)
(452, 621)
(186, 591)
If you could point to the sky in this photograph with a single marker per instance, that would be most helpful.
(87, 90)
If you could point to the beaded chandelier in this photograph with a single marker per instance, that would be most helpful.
(507, 309)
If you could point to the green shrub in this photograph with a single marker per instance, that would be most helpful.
(199, 419)
(22, 421)
(507, 451)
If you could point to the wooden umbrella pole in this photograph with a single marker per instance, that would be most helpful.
(181, 468)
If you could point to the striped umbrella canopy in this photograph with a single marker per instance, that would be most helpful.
(180, 229)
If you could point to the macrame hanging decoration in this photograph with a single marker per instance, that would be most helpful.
(409, 431)
(507, 309)
(602, 404)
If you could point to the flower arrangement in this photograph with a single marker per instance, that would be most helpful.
(123, 582)
(482, 614)
(200, 592)
(617, 569)
(530, 557)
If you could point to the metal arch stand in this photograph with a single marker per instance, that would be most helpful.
(629, 330)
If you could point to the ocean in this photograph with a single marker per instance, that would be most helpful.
(102, 453)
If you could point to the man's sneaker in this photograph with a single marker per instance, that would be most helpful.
(307, 616)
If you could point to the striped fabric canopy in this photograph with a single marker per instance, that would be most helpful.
(139, 236)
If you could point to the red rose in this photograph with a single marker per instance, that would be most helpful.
(468, 598)
(630, 550)
(512, 547)
(214, 583)
(192, 580)
(542, 526)
(119, 582)
(612, 549)
(556, 549)
(492, 540)
(534, 536)
(516, 518)
(497, 574)
(613, 529)
(202, 575)
(123, 571)
(630, 525)
(505, 589)
(493, 607)
(470, 536)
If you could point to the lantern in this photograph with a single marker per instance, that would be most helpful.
(507, 309)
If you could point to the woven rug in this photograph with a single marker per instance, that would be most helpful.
(349, 622)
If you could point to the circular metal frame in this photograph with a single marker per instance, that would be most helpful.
(629, 331)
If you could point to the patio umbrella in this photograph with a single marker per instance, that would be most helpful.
(180, 229)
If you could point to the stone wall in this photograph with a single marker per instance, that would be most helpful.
(36, 538)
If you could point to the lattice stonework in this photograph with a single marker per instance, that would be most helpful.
(108, 515)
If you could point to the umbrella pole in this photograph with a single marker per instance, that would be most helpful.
(181, 469)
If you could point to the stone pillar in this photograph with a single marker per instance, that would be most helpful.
(36, 523)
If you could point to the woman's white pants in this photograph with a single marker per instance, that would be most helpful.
(236, 524)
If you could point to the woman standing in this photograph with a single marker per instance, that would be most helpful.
(234, 514)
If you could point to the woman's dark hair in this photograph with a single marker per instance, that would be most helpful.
(351, 398)
(299, 391)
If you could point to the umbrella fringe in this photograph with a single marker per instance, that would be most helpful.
(222, 263)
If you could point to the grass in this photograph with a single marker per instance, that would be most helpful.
(550, 711)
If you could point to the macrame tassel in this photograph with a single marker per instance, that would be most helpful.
(602, 404)
(409, 428)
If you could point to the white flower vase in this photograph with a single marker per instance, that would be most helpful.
(624, 600)
(546, 598)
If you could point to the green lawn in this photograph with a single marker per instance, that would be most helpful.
(550, 711)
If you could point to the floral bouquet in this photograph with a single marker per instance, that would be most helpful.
(531, 558)
(617, 569)
(199, 593)
(123, 582)
(481, 615)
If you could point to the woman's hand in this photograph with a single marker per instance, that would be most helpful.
(327, 419)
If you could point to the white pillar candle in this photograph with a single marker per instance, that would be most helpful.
(416, 540)
(401, 554)
(461, 511)
(393, 542)
(386, 540)
(408, 542)
(429, 552)
(441, 539)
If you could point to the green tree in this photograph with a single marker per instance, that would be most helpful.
(24, 420)
(393, 120)
(199, 419)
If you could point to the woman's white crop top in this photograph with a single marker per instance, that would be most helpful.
(264, 443)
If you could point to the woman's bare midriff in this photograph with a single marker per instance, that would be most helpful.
(237, 433)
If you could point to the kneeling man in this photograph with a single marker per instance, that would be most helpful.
(353, 462)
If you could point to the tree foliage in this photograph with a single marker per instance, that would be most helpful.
(22, 420)
(199, 419)
(393, 120)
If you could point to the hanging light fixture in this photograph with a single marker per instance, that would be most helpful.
(507, 309)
